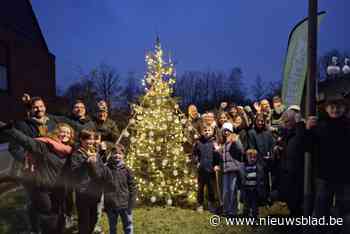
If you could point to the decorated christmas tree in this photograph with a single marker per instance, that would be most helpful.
(156, 152)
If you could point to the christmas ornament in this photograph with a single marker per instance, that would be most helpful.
(164, 162)
(153, 199)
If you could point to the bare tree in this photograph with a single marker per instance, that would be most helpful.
(132, 88)
(107, 83)
(84, 90)
(259, 88)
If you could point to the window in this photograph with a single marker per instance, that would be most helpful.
(3, 78)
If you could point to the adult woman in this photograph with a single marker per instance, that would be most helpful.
(240, 127)
(261, 139)
(232, 111)
(192, 128)
(45, 163)
(222, 117)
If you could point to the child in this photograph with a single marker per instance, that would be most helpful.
(87, 169)
(204, 152)
(231, 169)
(254, 184)
(119, 192)
(101, 146)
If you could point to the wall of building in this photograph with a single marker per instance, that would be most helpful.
(30, 65)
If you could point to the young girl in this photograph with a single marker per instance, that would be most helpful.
(47, 156)
(231, 167)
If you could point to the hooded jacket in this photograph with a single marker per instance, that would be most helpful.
(119, 187)
(85, 176)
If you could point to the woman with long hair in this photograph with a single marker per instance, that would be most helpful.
(240, 128)
(44, 162)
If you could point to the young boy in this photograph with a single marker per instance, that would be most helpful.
(87, 171)
(204, 152)
(119, 191)
(253, 184)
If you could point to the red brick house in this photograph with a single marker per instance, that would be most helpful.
(26, 64)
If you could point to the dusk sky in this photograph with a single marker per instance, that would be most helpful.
(201, 34)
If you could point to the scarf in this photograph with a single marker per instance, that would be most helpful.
(41, 124)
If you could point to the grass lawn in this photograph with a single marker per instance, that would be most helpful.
(152, 220)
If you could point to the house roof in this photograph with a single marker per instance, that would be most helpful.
(18, 16)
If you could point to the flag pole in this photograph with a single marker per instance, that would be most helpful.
(310, 100)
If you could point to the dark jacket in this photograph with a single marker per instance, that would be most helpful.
(109, 130)
(261, 140)
(331, 138)
(260, 183)
(292, 166)
(204, 154)
(80, 124)
(30, 128)
(119, 187)
(86, 177)
(48, 165)
(243, 136)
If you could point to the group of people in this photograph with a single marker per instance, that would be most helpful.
(256, 150)
(260, 152)
(68, 162)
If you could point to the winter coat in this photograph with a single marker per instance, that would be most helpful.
(276, 118)
(108, 129)
(78, 124)
(191, 133)
(204, 154)
(292, 166)
(231, 151)
(243, 137)
(30, 128)
(260, 184)
(48, 158)
(86, 177)
(119, 187)
(331, 138)
(262, 141)
(84, 123)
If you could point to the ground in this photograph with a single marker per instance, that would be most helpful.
(162, 220)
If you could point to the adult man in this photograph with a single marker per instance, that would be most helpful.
(38, 123)
(104, 125)
(330, 137)
(277, 111)
(291, 162)
(79, 115)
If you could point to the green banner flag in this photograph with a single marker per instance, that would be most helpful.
(295, 67)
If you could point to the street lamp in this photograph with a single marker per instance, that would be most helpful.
(334, 69)
(346, 67)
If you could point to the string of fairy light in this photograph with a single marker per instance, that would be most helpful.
(156, 154)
